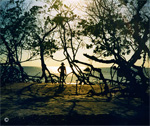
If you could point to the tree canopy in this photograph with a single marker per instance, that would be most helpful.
(116, 29)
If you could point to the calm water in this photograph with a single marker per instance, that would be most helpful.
(71, 78)
(37, 71)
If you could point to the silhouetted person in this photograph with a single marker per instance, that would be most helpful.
(62, 71)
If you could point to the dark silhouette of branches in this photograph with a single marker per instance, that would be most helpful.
(116, 35)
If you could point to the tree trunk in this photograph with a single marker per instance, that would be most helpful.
(23, 76)
(12, 59)
(52, 80)
(43, 62)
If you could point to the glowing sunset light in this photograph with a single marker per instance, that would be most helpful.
(53, 69)
(75, 4)
(73, 1)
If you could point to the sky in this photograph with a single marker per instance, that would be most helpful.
(59, 56)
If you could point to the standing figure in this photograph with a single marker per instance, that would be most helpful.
(62, 71)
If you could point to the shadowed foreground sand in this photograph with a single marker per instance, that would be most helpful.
(46, 104)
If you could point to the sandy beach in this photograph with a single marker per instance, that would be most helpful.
(46, 104)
